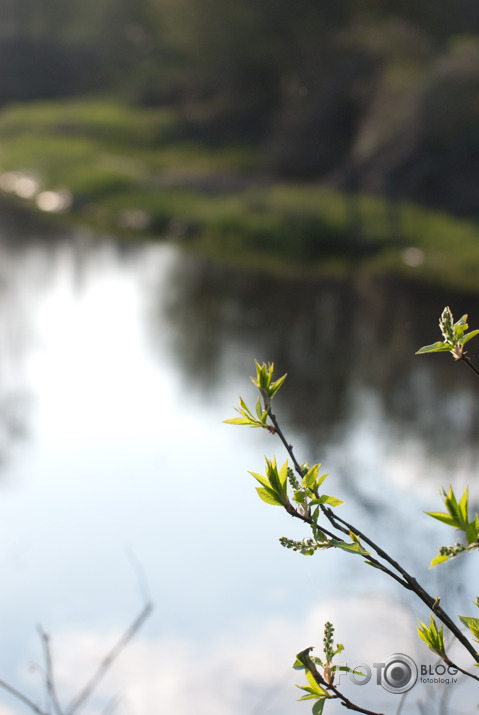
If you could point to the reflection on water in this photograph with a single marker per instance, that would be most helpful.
(336, 339)
(119, 363)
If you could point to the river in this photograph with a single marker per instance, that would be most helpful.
(120, 482)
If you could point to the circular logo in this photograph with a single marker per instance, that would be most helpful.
(399, 674)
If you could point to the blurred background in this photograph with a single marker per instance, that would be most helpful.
(186, 187)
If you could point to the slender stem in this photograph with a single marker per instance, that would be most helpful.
(49, 671)
(461, 670)
(370, 559)
(288, 447)
(469, 363)
(407, 581)
(23, 698)
(108, 660)
(411, 584)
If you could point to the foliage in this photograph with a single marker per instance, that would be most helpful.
(455, 336)
(296, 488)
(432, 636)
(370, 77)
(314, 690)
(133, 170)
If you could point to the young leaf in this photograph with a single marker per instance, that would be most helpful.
(261, 479)
(283, 476)
(470, 335)
(354, 548)
(439, 559)
(324, 499)
(268, 496)
(312, 693)
(455, 336)
(318, 706)
(472, 624)
(434, 348)
(462, 507)
(446, 518)
(276, 385)
(309, 479)
(299, 497)
(433, 637)
(320, 480)
(239, 421)
(314, 685)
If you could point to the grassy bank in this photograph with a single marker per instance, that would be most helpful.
(139, 171)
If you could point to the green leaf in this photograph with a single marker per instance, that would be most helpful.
(463, 507)
(472, 624)
(318, 706)
(352, 548)
(312, 695)
(299, 497)
(276, 385)
(320, 480)
(268, 496)
(283, 475)
(438, 347)
(297, 665)
(433, 637)
(470, 335)
(309, 479)
(439, 559)
(440, 516)
(324, 499)
(471, 532)
(261, 479)
(314, 685)
(240, 421)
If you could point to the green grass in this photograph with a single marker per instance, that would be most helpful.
(133, 170)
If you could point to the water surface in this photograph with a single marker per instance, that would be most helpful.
(119, 481)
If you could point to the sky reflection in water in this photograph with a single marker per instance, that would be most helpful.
(118, 365)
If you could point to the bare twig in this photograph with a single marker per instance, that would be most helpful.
(80, 699)
(451, 664)
(20, 696)
(469, 363)
(50, 680)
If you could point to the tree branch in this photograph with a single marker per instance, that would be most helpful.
(308, 663)
(405, 579)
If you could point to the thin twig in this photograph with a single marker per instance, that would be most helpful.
(107, 661)
(288, 447)
(22, 697)
(412, 585)
(469, 363)
(50, 680)
(451, 664)
(407, 581)
(370, 559)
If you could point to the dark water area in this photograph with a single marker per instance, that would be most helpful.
(331, 336)
(118, 363)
